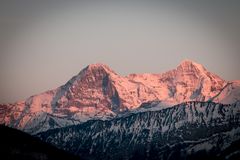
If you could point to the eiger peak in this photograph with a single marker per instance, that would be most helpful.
(97, 92)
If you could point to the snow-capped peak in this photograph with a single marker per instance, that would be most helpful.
(190, 66)
(98, 92)
(99, 67)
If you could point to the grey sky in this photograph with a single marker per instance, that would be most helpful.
(44, 43)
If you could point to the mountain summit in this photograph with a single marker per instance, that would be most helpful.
(191, 64)
(98, 92)
(190, 81)
(188, 67)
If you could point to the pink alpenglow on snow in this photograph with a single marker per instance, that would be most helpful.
(98, 92)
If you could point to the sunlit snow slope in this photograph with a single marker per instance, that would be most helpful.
(97, 92)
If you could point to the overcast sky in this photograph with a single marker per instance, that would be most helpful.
(44, 43)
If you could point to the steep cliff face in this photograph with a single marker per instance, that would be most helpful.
(98, 86)
(91, 91)
(187, 129)
(97, 92)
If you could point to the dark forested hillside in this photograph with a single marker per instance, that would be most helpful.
(16, 145)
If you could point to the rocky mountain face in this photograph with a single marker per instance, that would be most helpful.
(191, 130)
(97, 92)
(185, 113)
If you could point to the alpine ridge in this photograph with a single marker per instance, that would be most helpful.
(191, 130)
(98, 92)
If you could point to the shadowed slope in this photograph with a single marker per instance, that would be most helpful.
(16, 145)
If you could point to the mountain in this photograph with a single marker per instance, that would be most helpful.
(190, 130)
(189, 81)
(16, 145)
(97, 92)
